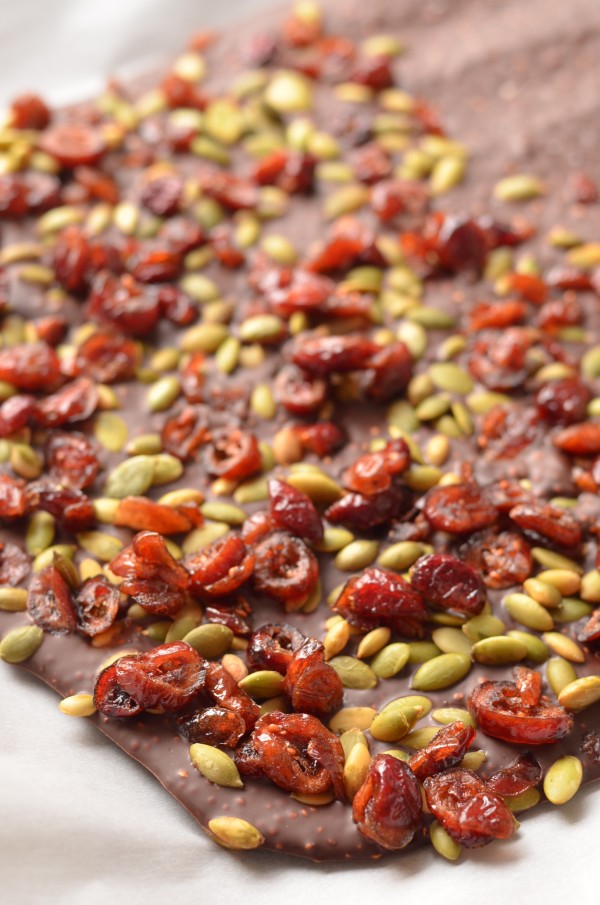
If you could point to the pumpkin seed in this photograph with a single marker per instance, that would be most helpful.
(21, 643)
(334, 539)
(447, 715)
(546, 594)
(316, 485)
(585, 256)
(562, 779)
(537, 651)
(590, 587)
(215, 765)
(422, 477)
(355, 769)
(433, 407)
(105, 510)
(336, 639)
(100, 545)
(571, 610)
(528, 612)
(390, 660)
(443, 843)
(420, 738)
(78, 705)
(345, 200)
(421, 651)
(451, 641)
(400, 556)
(581, 693)
(264, 683)
(201, 537)
(437, 449)
(354, 673)
(499, 650)
(235, 666)
(431, 318)
(262, 402)
(252, 491)
(447, 173)
(46, 557)
(180, 628)
(408, 704)
(13, 600)
(356, 555)
(210, 640)
(132, 477)
(520, 187)
(564, 646)
(25, 461)
(349, 718)
(289, 92)
(223, 512)
(446, 375)
(390, 726)
(58, 218)
(227, 355)
(524, 801)
(40, 532)
(110, 431)
(555, 561)
(163, 393)
(483, 626)
(441, 672)
(373, 642)
(560, 673)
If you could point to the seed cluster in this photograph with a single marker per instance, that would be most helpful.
(282, 435)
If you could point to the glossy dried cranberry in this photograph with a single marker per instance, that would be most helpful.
(107, 357)
(225, 691)
(380, 597)
(549, 521)
(75, 402)
(15, 564)
(167, 677)
(361, 513)
(290, 291)
(50, 604)
(563, 401)
(97, 605)
(370, 163)
(458, 509)
(373, 472)
(122, 303)
(468, 811)
(220, 568)
(29, 111)
(299, 393)
(373, 71)
(388, 372)
(185, 433)
(446, 749)
(579, 439)
(589, 634)
(293, 511)
(322, 438)
(30, 367)
(162, 194)
(177, 306)
(271, 646)
(522, 774)
(285, 569)
(322, 355)
(181, 235)
(312, 685)
(293, 171)
(151, 263)
(387, 807)
(110, 698)
(98, 184)
(13, 196)
(299, 754)
(73, 144)
(448, 583)
(234, 613)
(193, 377)
(392, 197)
(71, 258)
(461, 245)
(499, 358)
(506, 430)
(233, 455)
(180, 92)
(213, 726)
(16, 413)
(502, 711)
(503, 560)
(70, 507)
(497, 314)
(13, 500)
(142, 514)
(228, 189)
(527, 285)
(71, 459)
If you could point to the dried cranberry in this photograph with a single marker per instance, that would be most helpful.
(285, 569)
(563, 401)
(549, 521)
(508, 429)
(468, 811)
(448, 583)
(370, 163)
(97, 605)
(298, 393)
(29, 111)
(271, 647)
(590, 633)
(16, 413)
(293, 171)
(322, 438)
(579, 439)
(185, 433)
(497, 314)
(71, 257)
(233, 455)
(499, 359)
(69, 506)
(293, 511)
(107, 357)
(162, 194)
(228, 189)
(380, 597)
(110, 698)
(373, 472)
(98, 184)
(225, 691)
(502, 711)
(373, 71)
(15, 564)
(321, 355)
(522, 774)
(13, 196)
(30, 367)
(387, 808)
(313, 686)
(220, 568)
(50, 604)
(177, 306)
(299, 754)
(75, 402)
(167, 677)
(236, 614)
(388, 372)
(529, 286)
(122, 303)
(213, 726)
(503, 560)
(361, 513)
(142, 514)
(392, 197)
(458, 509)
(13, 500)
(181, 234)
(461, 245)
(73, 144)
(71, 459)
(153, 264)
(193, 377)
(446, 749)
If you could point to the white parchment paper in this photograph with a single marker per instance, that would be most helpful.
(82, 824)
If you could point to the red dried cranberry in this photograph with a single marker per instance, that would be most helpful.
(50, 604)
(549, 521)
(312, 685)
(193, 377)
(71, 459)
(13, 500)
(233, 455)
(112, 700)
(69, 506)
(236, 615)
(380, 597)
(220, 568)
(142, 514)
(15, 564)
(229, 190)
(153, 264)
(458, 509)
(16, 413)
(448, 583)
(162, 194)
(507, 429)
(503, 560)
(299, 754)
(285, 569)
(107, 357)
(387, 808)
(293, 511)
(388, 372)
(373, 472)
(322, 355)
(298, 393)
(177, 306)
(13, 196)
(99, 185)
(563, 401)
(499, 359)
(29, 111)
(373, 71)
(497, 314)
(181, 235)
(70, 258)
(73, 144)
(122, 303)
(30, 367)
(292, 171)
(97, 605)
(224, 690)
(370, 163)
(75, 402)
(185, 433)
(522, 774)
(528, 286)
(167, 677)
(271, 647)
(213, 726)
(392, 197)
(468, 811)
(322, 438)
(502, 711)
(579, 439)
(361, 513)
(446, 749)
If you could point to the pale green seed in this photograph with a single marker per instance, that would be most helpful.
(564, 647)
(437, 450)
(21, 643)
(157, 632)
(210, 640)
(46, 557)
(111, 431)
(451, 641)
(590, 363)
(414, 706)
(202, 537)
(132, 477)
(223, 512)
(420, 738)
(560, 673)
(262, 684)
(163, 393)
(390, 660)
(401, 415)
(528, 612)
(390, 726)
(452, 346)
(422, 477)
(473, 760)
(422, 651)
(520, 187)
(280, 249)
(371, 643)
(20, 251)
(78, 705)
(13, 600)
(40, 532)
(580, 693)
(357, 555)
(590, 587)
(316, 485)
(447, 173)
(58, 218)
(572, 609)
(334, 539)
(180, 628)
(223, 121)
(252, 491)
(585, 256)
(349, 718)
(166, 468)
(25, 461)
(446, 375)
(432, 407)
(443, 843)
(354, 673)
(105, 510)
(144, 445)
(447, 715)
(400, 556)
(485, 401)
(546, 594)
(235, 833)
(537, 651)
(345, 200)
(551, 560)
(215, 765)
(524, 801)
(441, 672)
(499, 650)
(431, 318)
(414, 336)
(563, 779)
(200, 287)
(100, 545)
(227, 355)
(289, 92)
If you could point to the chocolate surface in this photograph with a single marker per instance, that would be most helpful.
(483, 98)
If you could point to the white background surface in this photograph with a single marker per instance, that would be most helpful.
(82, 824)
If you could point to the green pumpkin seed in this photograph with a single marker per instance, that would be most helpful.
(25, 461)
(537, 651)
(210, 640)
(21, 643)
(409, 704)
(422, 477)
(446, 375)
(223, 512)
(79, 705)
(528, 612)
(334, 539)
(523, 802)
(581, 693)
(157, 632)
(520, 187)
(235, 833)
(499, 651)
(46, 557)
(202, 537)
(357, 555)
(264, 683)
(564, 646)
(289, 92)
(216, 766)
(585, 256)
(433, 407)
(390, 726)
(105, 510)
(349, 718)
(345, 200)
(443, 843)
(227, 355)
(571, 610)
(447, 715)
(546, 594)
(40, 532)
(590, 587)
(422, 651)
(163, 393)
(447, 173)
(166, 468)
(262, 402)
(431, 318)
(111, 431)
(316, 485)
(204, 338)
(252, 491)
(562, 779)
(132, 477)
(262, 328)
(356, 767)
(336, 639)
(483, 626)
(451, 641)
(390, 660)
(420, 738)
(58, 218)
(473, 760)
(13, 600)
(548, 559)
(441, 672)
(100, 545)
(437, 450)
(144, 445)
(181, 627)
(590, 363)
(373, 642)
(400, 556)
(560, 673)
(354, 673)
